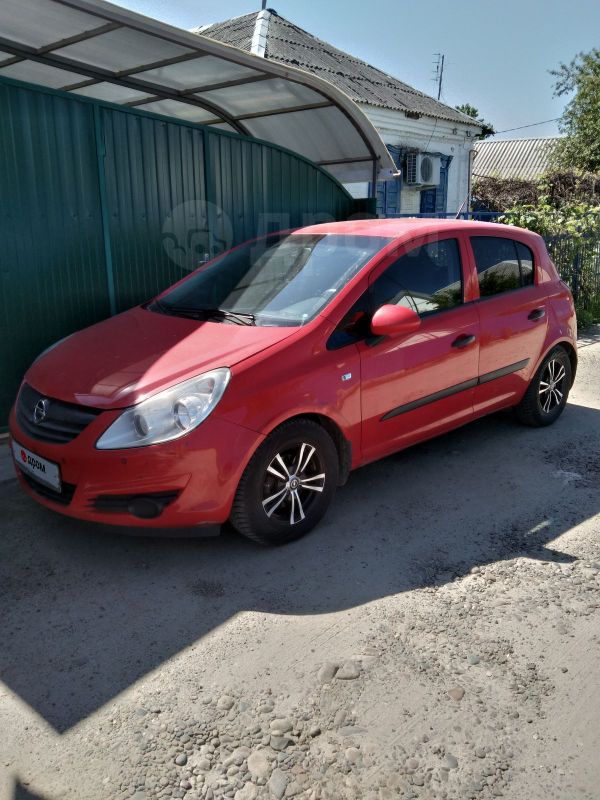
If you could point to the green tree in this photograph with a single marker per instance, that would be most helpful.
(580, 121)
(471, 111)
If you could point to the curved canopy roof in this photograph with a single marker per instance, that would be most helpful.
(96, 49)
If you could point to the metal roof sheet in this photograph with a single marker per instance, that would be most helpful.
(513, 158)
(288, 44)
(97, 49)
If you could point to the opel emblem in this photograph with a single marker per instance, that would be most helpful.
(40, 411)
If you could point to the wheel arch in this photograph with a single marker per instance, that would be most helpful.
(571, 352)
(342, 445)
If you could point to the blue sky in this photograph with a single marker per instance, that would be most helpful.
(497, 54)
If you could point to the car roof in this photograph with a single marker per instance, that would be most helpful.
(415, 226)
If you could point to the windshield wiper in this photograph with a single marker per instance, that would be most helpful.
(157, 305)
(177, 311)
(240, 318)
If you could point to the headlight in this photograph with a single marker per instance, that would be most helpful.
(169, 414)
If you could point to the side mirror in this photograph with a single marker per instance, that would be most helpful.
(394, 320)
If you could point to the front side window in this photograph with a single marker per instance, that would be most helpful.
(426, 279)
(502, 264)
(281, 280)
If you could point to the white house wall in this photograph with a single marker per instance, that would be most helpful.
(428, 135)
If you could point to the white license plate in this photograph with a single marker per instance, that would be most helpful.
(39, 468)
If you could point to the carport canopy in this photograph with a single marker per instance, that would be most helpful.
(98, 50)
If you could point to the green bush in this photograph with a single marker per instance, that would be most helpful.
(556, 189)
(572, 234)
(587, 316)
(575, 219)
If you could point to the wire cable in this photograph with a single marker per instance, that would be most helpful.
(532, 125)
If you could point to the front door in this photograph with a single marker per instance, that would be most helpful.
(428, 201)
(418, 385)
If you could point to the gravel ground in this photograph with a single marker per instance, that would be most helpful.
(437, 637)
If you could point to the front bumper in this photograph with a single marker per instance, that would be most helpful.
(194, 478)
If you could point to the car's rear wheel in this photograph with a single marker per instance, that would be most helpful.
(288, 485)
(548, 391)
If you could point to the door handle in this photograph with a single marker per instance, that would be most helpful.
(537, 313)
(464, 340)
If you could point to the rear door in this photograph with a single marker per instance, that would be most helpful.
(417, 385)
(512, 318)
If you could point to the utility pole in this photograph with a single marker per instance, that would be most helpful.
(439, 72)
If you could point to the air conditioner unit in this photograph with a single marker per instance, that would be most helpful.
(422, 169)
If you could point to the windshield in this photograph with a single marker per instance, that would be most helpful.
(279, 280)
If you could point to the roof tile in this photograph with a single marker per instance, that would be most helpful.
(289, 44)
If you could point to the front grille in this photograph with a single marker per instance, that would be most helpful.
(119, 503)
(63, 497)
(62, 423)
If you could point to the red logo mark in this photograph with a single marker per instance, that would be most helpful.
(23, 457)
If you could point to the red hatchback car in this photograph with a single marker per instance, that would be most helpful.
(249, 390)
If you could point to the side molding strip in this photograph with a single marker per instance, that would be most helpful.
(430, 398)
(459, 387)
(500, 373)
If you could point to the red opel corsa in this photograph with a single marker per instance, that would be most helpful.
(250, 389)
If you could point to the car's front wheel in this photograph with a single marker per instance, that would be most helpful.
(288, 484)
(546, 397)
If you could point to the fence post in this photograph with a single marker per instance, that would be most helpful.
(104, 211)
(576, 273)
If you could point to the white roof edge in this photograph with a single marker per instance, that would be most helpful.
(451, 123)
(261, 32)
(472, 124)
(492, 140)
(377, 149)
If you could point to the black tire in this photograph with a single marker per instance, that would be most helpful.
(276, 502)
(546, 397)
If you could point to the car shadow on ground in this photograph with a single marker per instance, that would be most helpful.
(87, 611)
(23, 793)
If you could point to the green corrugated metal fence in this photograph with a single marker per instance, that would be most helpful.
(102, 207)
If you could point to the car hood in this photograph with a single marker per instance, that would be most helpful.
(124, 359)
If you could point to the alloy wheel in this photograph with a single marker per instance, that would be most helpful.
(293, 480)
(552, 390)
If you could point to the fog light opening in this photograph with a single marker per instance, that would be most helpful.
(145, 508)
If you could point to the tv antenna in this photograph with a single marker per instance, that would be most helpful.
(439, 72)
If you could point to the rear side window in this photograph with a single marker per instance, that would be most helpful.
(526, 263)
(502, 264)
(426, 279)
